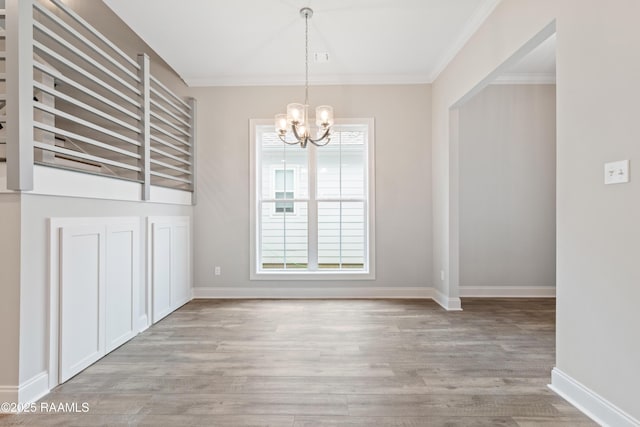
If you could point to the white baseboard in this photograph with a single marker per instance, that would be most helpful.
(34, 389)
(590, 403)
(143, 323)
(508, 291)
(28, 392)
(449, 304)
(416, 292)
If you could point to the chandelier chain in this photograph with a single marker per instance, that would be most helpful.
(297, 118)
(306, 59)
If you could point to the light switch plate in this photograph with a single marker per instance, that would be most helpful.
(616, 172)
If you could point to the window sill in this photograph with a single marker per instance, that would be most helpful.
(313, 275)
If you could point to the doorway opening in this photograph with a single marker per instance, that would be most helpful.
(503, 178)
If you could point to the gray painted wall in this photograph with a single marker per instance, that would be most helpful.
(598, 233)
(9, 287)
(507, 166)
(403, 200)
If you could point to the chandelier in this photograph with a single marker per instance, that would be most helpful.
(297, 119)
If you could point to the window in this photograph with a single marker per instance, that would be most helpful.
(284, 190)
(311, 208)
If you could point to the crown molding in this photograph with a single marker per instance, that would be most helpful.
(525, 79)
(332, 80)
(477, 19)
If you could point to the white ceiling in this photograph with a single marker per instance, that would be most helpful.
(261, 42)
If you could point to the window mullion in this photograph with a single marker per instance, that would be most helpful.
(312, 213)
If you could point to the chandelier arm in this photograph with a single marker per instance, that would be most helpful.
(324, 136)
(286, 142)
(317, 142)
(294, 128)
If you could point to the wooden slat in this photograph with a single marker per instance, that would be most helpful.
(170, 145)
(171, 156)
(86, 58)
(155, 92)
(168, 166)
(171, 177)
(168, 123)
(95, 32)
(84, 123)
(85, 41)
(84, 106)
(81, 71)
(169, 134)
(85, 156)
(68, 81)
(155, 104)
(169, 92)
(80, 138)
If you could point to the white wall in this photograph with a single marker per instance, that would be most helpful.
(34, 303)
(507, 166)
(598, 236)
(403, 176)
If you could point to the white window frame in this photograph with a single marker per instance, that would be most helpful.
(368, 273)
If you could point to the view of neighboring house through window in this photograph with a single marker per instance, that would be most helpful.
(312, 204)
(284, 190)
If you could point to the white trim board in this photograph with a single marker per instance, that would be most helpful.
(51, 181)
(34, 389)
(507, 291)
(525, 79)
(411, 292)
(400, 292)
(446, 302)
(590, 403)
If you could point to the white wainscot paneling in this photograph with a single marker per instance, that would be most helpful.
(122, 280)
(169, 264)
(94, 286)
(161, 270)
(81, 294)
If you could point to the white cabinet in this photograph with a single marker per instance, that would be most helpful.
(82, 315)
(169, 264)
(99, 280)
(98, 300)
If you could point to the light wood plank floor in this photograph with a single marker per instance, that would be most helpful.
(327, 363)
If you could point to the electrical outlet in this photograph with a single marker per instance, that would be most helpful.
(616, 172)
(217, 271)
(442, 275)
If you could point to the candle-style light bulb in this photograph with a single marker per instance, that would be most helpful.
(324, 115)
(281, 123)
